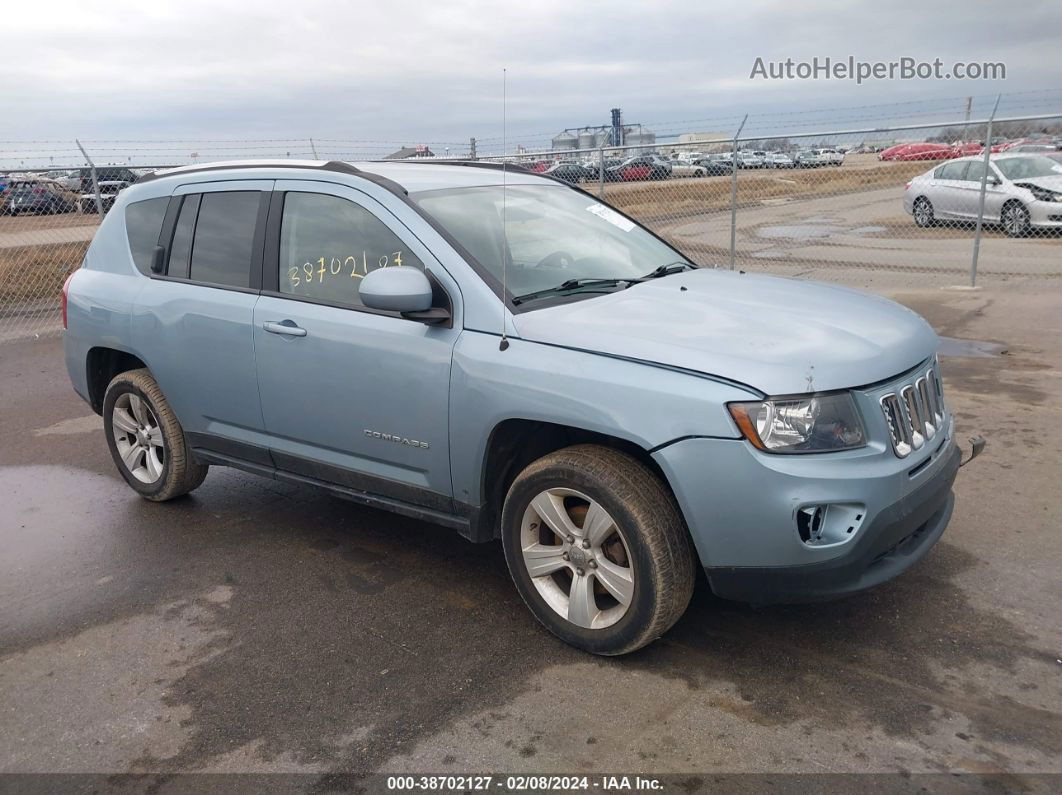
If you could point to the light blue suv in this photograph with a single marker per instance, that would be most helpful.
(502, 354)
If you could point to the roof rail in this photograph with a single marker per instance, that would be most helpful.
(469, 163)
(332, 165)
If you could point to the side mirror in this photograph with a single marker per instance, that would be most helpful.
(993, 179)
(401, 289)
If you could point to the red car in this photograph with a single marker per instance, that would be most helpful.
(967, 149)
(923, 151)
(639, 168)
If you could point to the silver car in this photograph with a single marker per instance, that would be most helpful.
(778, 160)
(1023, 192)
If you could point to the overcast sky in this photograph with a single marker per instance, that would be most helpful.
(411, 72)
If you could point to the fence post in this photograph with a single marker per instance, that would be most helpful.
(981, 200)
(601, 170)
(733, 191)
(313, 149)
(471, 148)
(95, 181)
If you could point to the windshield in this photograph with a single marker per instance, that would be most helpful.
(552, 235)
(1028, 167)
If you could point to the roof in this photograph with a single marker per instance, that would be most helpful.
(414, 175)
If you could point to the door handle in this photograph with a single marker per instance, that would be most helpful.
(286, 327)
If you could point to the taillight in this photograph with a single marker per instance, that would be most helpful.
(66, 295)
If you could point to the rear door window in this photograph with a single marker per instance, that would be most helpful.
(223, 244)
(952, 170)
(143, 222)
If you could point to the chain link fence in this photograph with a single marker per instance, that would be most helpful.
(909, 205)
(874, 208)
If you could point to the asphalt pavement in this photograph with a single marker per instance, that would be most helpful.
(260, 626)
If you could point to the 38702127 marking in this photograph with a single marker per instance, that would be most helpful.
(332, 267)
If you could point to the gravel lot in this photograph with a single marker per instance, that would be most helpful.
(258, 626)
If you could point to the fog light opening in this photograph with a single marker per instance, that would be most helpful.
(809, 523)
(829, 524)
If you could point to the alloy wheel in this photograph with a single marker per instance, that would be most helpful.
(138, 437)
(577, 558)
(1014, 220)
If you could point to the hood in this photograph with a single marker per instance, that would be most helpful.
(1051, 183)
(780, 336)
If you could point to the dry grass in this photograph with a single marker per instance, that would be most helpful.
(37, 273)
(648, 201)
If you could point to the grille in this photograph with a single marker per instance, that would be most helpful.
(914, 412)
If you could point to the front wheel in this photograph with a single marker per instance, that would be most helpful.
(598, 549)
(1015, 220)
(146, 441)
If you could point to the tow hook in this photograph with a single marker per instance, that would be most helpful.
(977, 446)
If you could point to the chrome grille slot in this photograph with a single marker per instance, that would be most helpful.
(901, 438)
(914, 416)
(929, 416)
(914, 413)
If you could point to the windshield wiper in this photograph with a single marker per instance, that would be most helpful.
(667, 270)
(571, 284)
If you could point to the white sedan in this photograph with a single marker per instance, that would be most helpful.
(1022, 192)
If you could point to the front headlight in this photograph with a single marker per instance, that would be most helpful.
(814, 424)
(1042, 194)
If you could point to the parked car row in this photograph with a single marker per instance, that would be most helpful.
(35, 196)
(63, 192)
(654, 166)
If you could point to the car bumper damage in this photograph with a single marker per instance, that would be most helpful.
(747, 514)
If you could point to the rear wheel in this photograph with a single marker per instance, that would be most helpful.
(923, 212)
(598, 549)
(146, 441)
(1015, 219)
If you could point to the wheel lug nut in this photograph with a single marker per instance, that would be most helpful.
(586, 543)
(571, 539)
(580, 572)
(593, 564)
(565, 556)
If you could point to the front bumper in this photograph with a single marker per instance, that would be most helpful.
(898, 538)
(742, 508)
(1045, 215)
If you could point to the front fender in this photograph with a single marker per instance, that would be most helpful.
(646, 405)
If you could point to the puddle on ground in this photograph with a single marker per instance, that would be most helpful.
(799, 231)
(953, 346)
(815, 229)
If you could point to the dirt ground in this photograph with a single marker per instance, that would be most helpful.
(257, 626)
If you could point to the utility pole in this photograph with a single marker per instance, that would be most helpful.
(966, 119)
(981, 201)
(733, 191)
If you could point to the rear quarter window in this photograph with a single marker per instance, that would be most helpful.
(143, 223)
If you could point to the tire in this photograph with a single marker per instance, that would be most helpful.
(642, 551)
(136, 414)
(1015, 219)
(923, 213)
